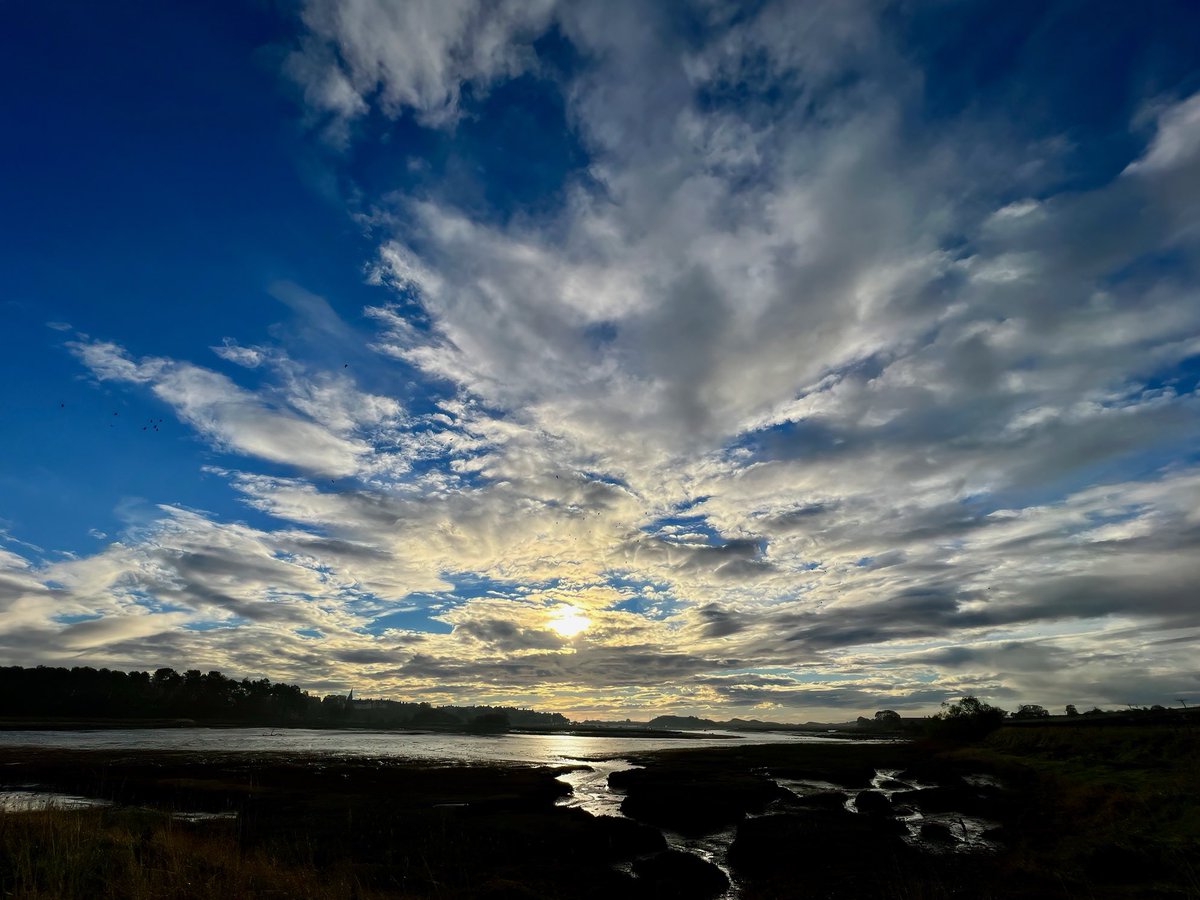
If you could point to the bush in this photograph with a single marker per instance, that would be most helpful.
(969, 719)
(1031, 711)
(887, 718)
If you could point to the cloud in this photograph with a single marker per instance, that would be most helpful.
(506, 636)
(231, 417)
(1176, 141)
(417, 56)
(789, 378)
(721, 622)
(250, 357)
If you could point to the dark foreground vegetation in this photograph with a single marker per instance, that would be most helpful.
(1095, 811)
(306, 828)
(1028, 812)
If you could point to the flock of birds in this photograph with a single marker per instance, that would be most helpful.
(151, 424)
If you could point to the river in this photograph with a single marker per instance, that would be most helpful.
(521, 749)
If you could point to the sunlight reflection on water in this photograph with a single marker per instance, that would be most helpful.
(590, 791)
(527, 749)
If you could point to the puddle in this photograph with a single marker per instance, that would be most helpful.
(196, 817)
(28, 799)
(803, 787)
(888, 782)
(36, 801)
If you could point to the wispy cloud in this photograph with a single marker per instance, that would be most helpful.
(415, 56)
(232, 417)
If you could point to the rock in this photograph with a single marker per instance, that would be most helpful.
(937, 833)
(934, 771)
(848, 773)
(891, 784)
(674, 873)
(962, 798)
(828, 800)
(693, 803)
(624, 838)
(824, 851)
(872, 803)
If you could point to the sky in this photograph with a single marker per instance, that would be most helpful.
(782, 360)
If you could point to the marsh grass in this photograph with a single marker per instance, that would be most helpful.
(1113, 809)
(140, 854)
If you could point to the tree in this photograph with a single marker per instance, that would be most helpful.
(1071, 710)
(490, 722)
(968, 719)
(887, 718)
(1031, 711)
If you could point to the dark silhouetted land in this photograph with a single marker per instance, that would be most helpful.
(1028, 812)
(86, 697)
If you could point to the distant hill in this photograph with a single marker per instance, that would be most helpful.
(694, 723)
(683, 723)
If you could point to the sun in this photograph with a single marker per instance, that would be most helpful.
(569, 621)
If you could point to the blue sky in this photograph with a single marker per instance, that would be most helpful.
(819, 357)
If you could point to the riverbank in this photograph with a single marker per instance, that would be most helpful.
(1025, 814)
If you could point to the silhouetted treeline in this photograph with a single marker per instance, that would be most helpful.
(971, 719)
(87, 693)
(84, 692)
(391, 713)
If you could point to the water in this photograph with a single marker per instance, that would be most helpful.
(31, 798)
(589, 788)
(520, 749)
(968, 831)
(36, 801)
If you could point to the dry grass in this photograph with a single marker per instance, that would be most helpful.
(133, 854)
(1115, 809)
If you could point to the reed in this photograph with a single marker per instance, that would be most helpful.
(58, 854)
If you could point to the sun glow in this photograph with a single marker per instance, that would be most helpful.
(569, 621)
